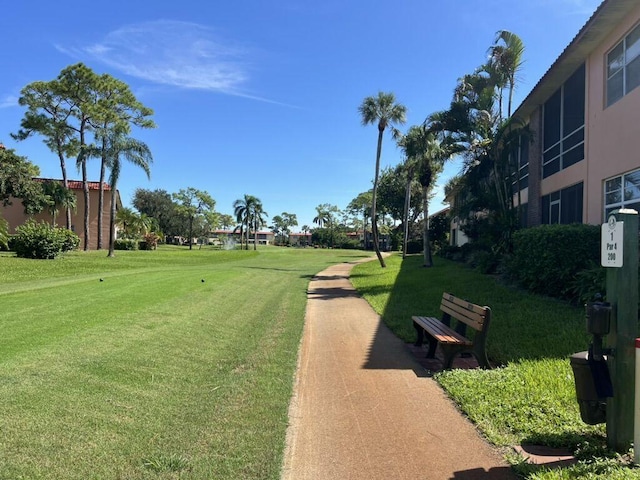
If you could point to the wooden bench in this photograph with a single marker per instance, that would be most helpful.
(454, 341)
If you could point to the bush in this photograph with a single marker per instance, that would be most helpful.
(546, 259)
(350, 244)
(125, 244)
(70, 240)
(414, 246)
(484, 261)
(150, 241)
(587, 284)
(451, 252)
(42, 241)
(11, 243)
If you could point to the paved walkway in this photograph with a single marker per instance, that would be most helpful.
(363, 408)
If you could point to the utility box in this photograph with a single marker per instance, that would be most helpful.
(593, 407)
(598, 317)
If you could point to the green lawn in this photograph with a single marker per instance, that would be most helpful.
(153, 373)
(530, 397)
(178, 364)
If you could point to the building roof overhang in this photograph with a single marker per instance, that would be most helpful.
(606, 17)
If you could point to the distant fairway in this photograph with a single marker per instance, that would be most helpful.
(152, 372)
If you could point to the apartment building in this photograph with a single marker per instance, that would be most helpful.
(583, 160)
(15, 215)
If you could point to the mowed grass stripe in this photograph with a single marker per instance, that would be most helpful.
(192, 378)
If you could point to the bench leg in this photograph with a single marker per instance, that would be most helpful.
(433, 344)
(481, 357)
(420, 334)
(450, 353)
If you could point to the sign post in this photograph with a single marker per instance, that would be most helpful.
(620, 251)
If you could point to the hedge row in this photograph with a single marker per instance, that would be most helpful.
(547, 259)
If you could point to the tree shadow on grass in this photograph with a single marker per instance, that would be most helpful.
(523, 326)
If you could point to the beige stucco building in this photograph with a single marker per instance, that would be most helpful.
(584, 161)
(15, 216)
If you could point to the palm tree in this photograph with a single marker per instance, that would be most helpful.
(322, 216)
(505, 60)
(431, 163)
(134, 151)
(126, 219)
(242, 209)
(408, 168)
(258, 219)
(384, 111)
(58, 196)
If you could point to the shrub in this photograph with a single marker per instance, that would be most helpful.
(414, 246)
(451, 252)
(350, 244)
(484, 261)
(70, 240)
(588, 283)
(125, 244)
(150, 241)
(42, 241)
(11, 243)
(547, 258)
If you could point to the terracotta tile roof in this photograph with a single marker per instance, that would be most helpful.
(77, 184)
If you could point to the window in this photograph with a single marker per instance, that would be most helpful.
(520, 161)
(563, 206)
(563, 129)
(623, 67)
(622, 192)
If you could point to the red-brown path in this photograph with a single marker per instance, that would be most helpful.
(363, 408)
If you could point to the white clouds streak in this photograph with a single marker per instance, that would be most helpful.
(8, 101)
(180, 54)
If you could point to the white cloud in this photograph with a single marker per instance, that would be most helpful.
(8, 101)
(180, 54)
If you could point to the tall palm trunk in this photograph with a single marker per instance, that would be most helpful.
(428, 260)
(112, 221)
(405, 214)
(103, 169)
(255, 236)
(85, 190)
(374, 219)
(65, 182)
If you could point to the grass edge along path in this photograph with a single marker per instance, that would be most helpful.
(530, 397)
(174, 366)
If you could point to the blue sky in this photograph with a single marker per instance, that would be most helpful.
(260, 97)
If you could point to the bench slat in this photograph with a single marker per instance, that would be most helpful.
(465, 304)
(469, 313)
(440, 331)
(460, 315)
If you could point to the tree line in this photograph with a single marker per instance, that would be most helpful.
(478, 127)
(80, 116)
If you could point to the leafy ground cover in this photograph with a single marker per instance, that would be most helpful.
(155, 364)
(530, 397)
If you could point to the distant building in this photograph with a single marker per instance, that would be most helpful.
(264, 238)
(15, 216)
(300, 239)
